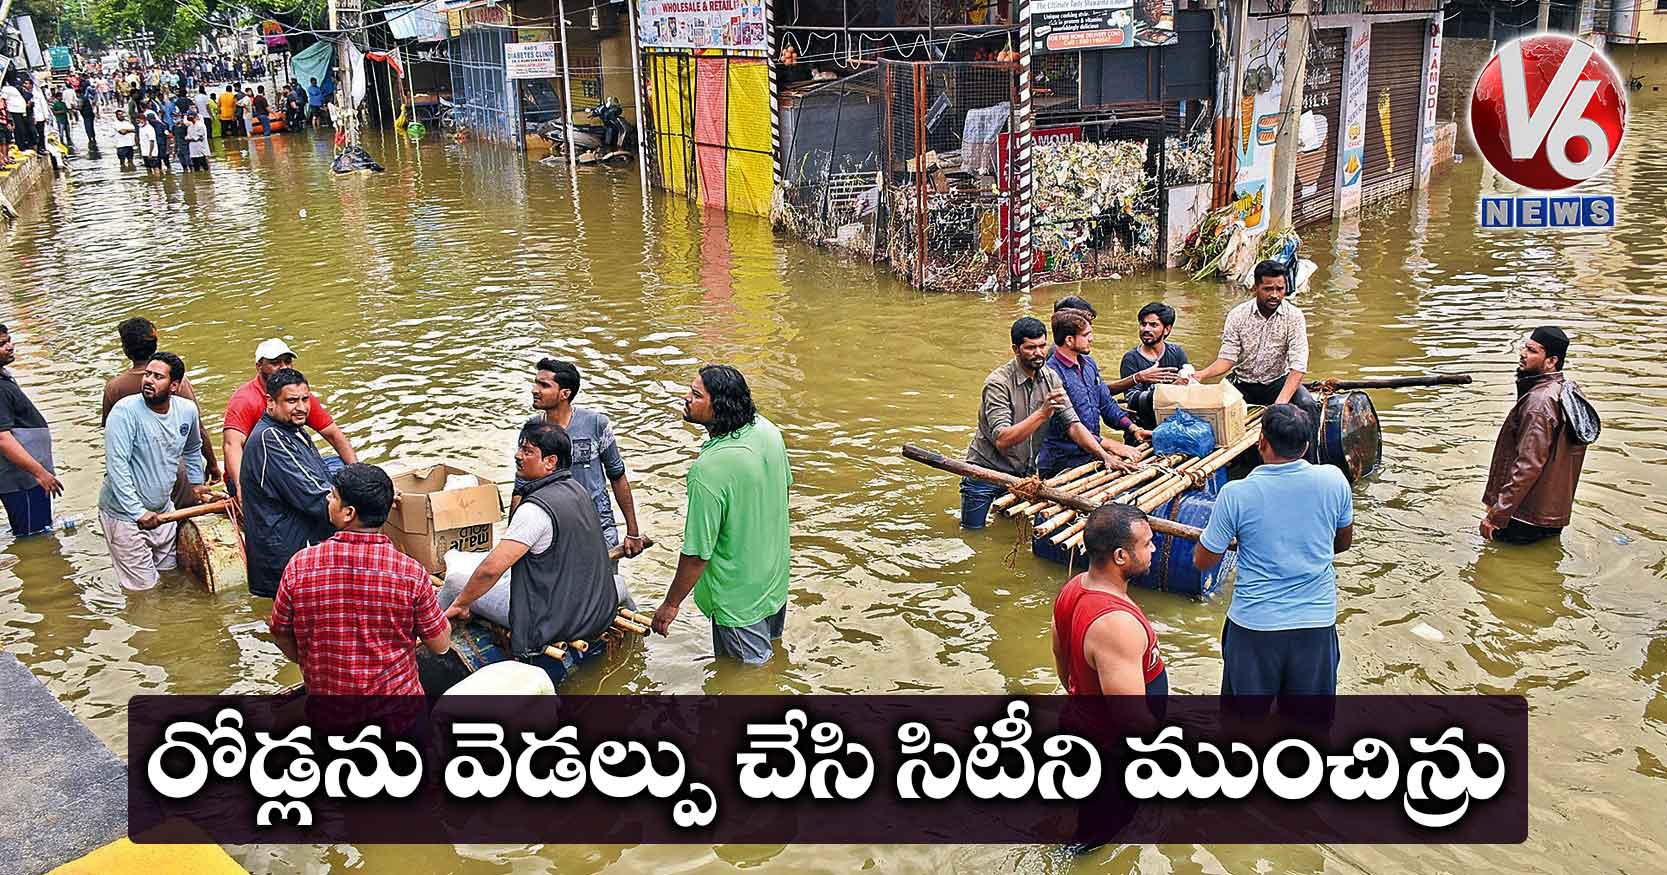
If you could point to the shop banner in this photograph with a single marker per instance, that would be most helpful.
(273, 32)
(703, 24)
(530, 60)
(1075, 25)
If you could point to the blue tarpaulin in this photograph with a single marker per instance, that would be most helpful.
(313, 62)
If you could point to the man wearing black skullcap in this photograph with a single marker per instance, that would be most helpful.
(1536, 461)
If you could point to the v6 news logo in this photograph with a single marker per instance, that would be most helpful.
(1548, 112)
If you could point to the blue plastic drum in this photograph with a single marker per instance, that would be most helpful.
(474, 646)
(1350, 436)
(1172, 568)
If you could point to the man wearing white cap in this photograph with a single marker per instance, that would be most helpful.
(248, 404)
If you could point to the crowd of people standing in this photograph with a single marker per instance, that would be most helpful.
(161, 116)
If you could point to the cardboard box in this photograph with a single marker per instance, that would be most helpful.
(431, 519)
(1219, 404)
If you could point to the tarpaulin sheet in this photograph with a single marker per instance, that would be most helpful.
(710, 128)
(672, 124)
(747, 171)
(313, 62)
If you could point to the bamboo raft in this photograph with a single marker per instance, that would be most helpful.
(1171, 488)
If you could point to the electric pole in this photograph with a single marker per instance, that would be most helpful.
(345, 18)
(1281, 198)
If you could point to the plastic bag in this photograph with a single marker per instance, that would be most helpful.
(1184, 433)
(1582, 417)
(355, 159)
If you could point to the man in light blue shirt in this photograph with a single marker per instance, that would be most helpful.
(1289, 518)
(145, 438)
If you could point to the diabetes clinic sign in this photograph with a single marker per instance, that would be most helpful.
(1548, 112)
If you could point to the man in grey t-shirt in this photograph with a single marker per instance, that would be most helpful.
(597, 464)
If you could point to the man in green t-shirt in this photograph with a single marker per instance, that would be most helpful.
(735, 532)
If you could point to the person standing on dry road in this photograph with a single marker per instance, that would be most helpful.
(735, 533)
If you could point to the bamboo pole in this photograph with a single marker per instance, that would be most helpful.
(1393, 382)
(1079, 486)
(1060, 480)
(1001, 478)
(628, 626)
(196, 510)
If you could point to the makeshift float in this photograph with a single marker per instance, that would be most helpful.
(1178, 491)
(483, 640)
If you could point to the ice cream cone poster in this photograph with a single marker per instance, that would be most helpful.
(1385, 127)
(1249, 200)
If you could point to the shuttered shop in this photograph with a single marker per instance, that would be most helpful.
(1321, 132)
(1394, 78)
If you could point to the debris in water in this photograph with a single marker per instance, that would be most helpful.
(355, 159)
(303, 212)
(1428, 632)
(1622, 540)
(245, 628)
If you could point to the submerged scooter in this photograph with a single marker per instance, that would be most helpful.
(612, 142)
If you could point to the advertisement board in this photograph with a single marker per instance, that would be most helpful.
(1074, 25)
(702, 24)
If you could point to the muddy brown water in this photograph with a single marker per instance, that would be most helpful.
(418, 299)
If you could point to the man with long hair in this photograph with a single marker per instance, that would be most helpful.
(735, 532)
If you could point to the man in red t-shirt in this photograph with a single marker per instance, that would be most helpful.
(248, 404)
(351, 610)
(1102, 642)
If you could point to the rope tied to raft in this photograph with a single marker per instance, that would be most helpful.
(1025, 533)
(1027, 488)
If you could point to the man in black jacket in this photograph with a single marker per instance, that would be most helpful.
(284, 484)
(560, 579)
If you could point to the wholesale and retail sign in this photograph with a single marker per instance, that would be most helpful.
(702, 24)
(1569, 133)
(530, 60)
(1076, 25)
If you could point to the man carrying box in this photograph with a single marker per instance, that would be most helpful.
(283, 483)
(351, 610)
(1265, 345)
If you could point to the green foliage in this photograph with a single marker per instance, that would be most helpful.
(175, 25)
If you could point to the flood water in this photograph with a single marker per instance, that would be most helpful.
(419, 298)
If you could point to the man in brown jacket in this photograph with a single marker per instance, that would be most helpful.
(1536, 461)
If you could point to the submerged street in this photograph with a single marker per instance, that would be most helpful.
(416, 301)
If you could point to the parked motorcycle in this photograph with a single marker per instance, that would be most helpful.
(612, 141)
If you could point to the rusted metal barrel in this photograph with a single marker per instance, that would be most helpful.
(211, 552)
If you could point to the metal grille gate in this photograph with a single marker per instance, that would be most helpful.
(1394, 81)
(1316, 177)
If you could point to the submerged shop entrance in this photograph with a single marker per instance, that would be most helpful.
(710, 136)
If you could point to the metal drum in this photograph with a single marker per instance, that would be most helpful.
(210, 551)
(1172, 568)
(1350, 436)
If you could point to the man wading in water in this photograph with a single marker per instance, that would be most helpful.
(597, 464)
(1536, 460)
